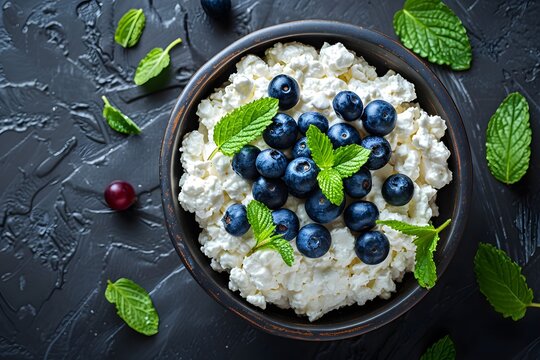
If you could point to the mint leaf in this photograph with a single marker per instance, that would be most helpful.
(133, 305)
(130, 28)
(349, 159)
(331, 185)
(243, 125)
(433, 31)
(335, 164)
(425, 239)
(283, 247)
(260, 218)
(501, 282)
(442, 350)
(117, 120)
(425, 270)
(321, 148)
(153, 63)
(508, 144)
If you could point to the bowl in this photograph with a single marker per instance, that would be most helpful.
(453, 200)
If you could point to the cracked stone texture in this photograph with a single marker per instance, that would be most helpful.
(60, 243)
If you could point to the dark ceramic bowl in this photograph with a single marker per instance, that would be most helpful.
(453, 200)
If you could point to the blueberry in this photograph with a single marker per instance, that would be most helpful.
(301, 149)
(216, 8)
(372, 247)
(343, 134)
(235, 220)
(348, 105)
(380, 151)
(379, 118)
(271, 163)
(312, 118)
(320, 209)
(313, 240)
(361, 215)
(286, 222)
(286, 90)
(301, 176)
(398, 189)
(271, 192)
(243, 162)
(282, 132)
(359, 184)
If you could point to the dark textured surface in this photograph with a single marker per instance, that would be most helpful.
(59, 242)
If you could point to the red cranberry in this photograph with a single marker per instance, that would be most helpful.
(120, 195)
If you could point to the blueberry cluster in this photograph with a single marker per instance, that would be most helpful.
(275, 177)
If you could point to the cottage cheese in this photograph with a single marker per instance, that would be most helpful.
(313, 287)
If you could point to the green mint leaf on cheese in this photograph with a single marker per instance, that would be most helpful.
(321, 148)
(433, 31)
(282, 246)
(425, 239)
(508, 144)
(334, 165)
(133, 305)
(243, 125)
(130, 28)
(153, 63)
(331, 185)
(260, 218)
(442, 350)
(502, 283)
(349, 159)
(117, 120)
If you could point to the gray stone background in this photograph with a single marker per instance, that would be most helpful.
(60, 243)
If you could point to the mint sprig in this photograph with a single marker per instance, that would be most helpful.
(443, 349)
(153, 63)
(334, 165)
(433, 31)
(425, 239)
(502, 283)
(508, 140)
(243, 125)
(117, 120)
(130, 28)
(133, 305)
(260, 218)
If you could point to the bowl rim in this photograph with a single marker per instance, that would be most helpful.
(392, 309)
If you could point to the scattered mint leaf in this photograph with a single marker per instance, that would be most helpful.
(425, 239)
(321, 147)
(501, 282)
(433, 31)
(442, 350)
(331, 185)
(133, 305)
(334, 165)
(349, 159)
(243, 125)
(130, 28)
(508, 144)
(260, 218)
(117, 120)
(153, 63)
